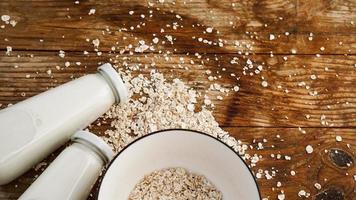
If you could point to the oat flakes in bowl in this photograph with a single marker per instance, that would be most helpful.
(175, 183)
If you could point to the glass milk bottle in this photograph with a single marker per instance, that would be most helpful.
(73, 173)
(32, 129)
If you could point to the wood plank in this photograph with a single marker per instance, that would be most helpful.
(316, 167)
(329, 16)
(309, 169)
(66, 26)
(285, 102)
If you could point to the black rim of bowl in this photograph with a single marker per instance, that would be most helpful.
(177, 129)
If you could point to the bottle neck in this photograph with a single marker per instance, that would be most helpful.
(111, 85)
(114, 81)
(93, 149)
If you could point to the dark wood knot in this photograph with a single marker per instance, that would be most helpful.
(341, 158)
(331, 194)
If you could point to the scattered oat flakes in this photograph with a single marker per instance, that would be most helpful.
(281, 196)
(264, 83)
(267, 175)
(96, 43)
(67, 64)
(5, 18)
(169, 38)
(209, 30)
(8, 50)
(303, 193)
(13, 23)
(317, 186)
(143, 47)
(272, 37)
(137, 118)
(191, 107)
(155, 40)
(92, 11)
(207, 102)
(338, 138)
(279, 184)
(61, 54)
(309, 149)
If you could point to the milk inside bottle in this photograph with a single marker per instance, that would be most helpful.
(32, 129)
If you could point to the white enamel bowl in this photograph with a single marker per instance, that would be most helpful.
(197, 152)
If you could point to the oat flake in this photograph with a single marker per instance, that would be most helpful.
(309, 149)
(5, 18)
(174, 183)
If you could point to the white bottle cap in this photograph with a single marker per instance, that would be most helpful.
(97, 144)
(115, 82)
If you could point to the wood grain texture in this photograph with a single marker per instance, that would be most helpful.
(288, 113)
(309, 168)
(65, 26)
(284, 103)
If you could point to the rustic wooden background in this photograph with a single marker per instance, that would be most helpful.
(279, 113)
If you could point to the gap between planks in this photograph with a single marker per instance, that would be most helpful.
(25, 50)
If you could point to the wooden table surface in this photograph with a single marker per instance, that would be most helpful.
(296, 109)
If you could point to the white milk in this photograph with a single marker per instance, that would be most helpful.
(32, 129)
(73, 173)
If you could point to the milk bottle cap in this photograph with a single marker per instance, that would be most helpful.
(96, 143)
(115, 82)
